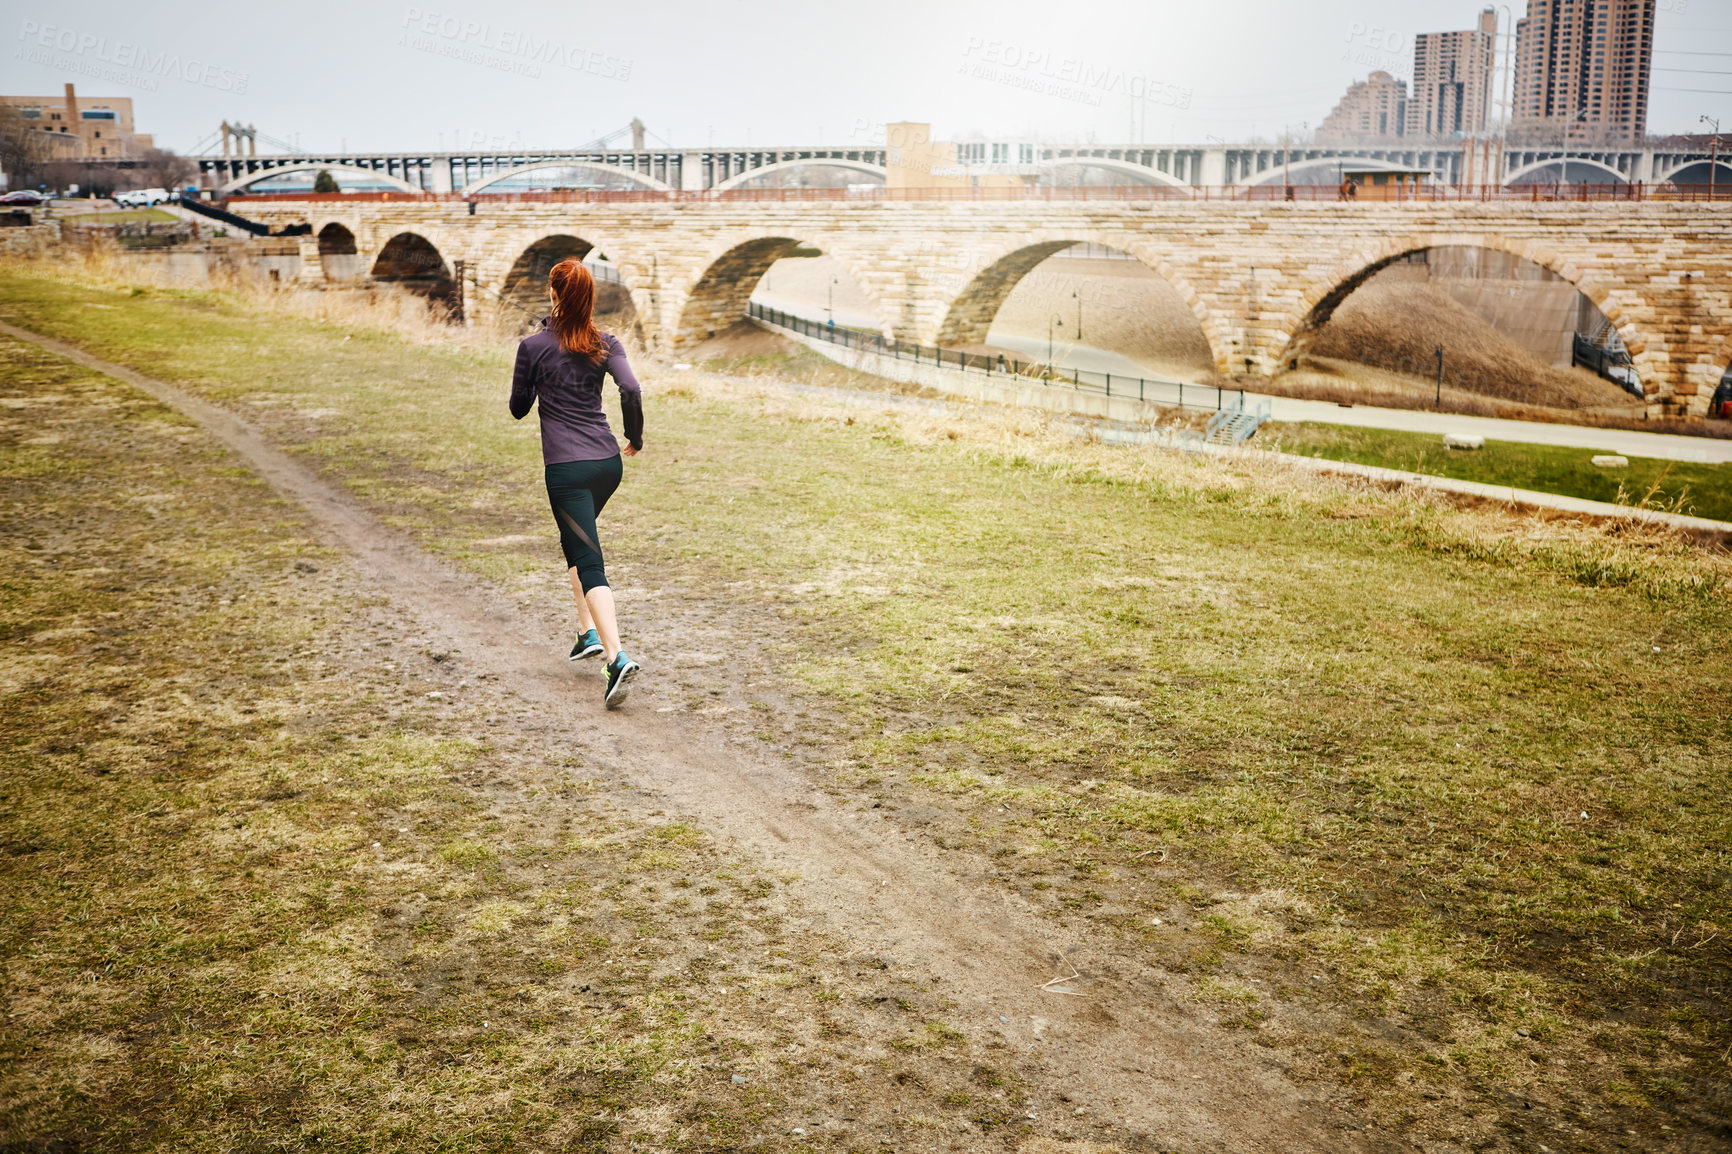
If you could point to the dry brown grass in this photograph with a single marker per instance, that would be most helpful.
(1319, 699)
(1399, 327)
(745, 350)
(1124, 306)
(1049, 441)
(260, 891)
(378, 308)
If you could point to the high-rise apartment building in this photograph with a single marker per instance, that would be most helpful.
(1582, 69)
(1452, 80)
(1373, 108)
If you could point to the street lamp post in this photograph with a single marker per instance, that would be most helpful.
(1569, 127)
(1564, 167)
(1713, 151)
(1506, 32)
(830, 308)
(1053, 321)
(1439, 378)
(1077, 297)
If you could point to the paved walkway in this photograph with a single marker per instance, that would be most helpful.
(1665, 446)
(1703, 527)
(185, 214)
(1068, 354)
(816, 313)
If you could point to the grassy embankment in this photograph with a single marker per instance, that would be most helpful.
(1703, 490)
(1431, 799)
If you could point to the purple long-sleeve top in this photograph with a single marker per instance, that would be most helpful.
(573, 425)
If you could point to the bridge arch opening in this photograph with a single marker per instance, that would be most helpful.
(411, 263)
(579, 175)
(1559, 171)
(1101, 172)
(776, 272)
(338, 254)
(1329, 171)
(1085, 306)
(300, 180)
(1698, 173)
(524, 294)
(1514, 333)
(824, 174)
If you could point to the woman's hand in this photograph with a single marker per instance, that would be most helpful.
(629, 451)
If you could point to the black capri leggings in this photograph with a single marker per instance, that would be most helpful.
(578, 490)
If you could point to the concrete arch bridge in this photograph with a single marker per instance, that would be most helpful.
(1259, 277)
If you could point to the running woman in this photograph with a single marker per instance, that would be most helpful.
(564, 365)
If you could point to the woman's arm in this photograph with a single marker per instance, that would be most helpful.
(522, 383)
(630, 396)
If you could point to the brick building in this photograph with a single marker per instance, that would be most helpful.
(1374, 108)
(1452, 75)
(1582, 69)
(81, 129)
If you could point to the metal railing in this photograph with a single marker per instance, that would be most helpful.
(1054, 193)
(253, 227)
(213, 213)
(604, 271)
(1157, 390)
(1606, 361)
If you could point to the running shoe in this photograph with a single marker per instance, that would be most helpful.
(620, 671)
(588, 644)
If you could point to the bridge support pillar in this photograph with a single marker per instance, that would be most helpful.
(312, 262)
(691, 172)
(439, 172)
(1214, 167)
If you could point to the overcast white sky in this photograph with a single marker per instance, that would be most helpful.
(490, 73)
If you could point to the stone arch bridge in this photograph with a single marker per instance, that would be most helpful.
(1259, 277)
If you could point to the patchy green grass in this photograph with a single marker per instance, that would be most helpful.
(258, 892)
(1430, 799)
(1702, 490)
(793, 362)
(123, 216)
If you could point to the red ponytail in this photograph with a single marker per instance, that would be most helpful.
(573, 302)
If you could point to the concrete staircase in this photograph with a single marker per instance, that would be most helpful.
(1232, 426)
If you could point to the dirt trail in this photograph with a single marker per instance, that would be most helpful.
(1121, 1039)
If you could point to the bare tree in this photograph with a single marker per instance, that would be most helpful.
(24, 150)
(161, 168)
(91, 177)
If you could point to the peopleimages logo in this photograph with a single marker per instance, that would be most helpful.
(120, 61)
(506, 49)
(1376, 49)
(1064, 77)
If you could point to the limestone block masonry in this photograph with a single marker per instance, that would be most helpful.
(1260, 277)
(31, 239)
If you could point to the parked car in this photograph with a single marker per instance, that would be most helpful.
(142, 197)
(27, 196)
